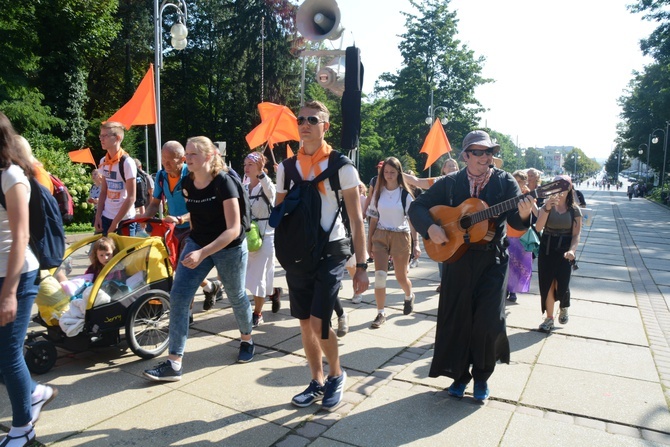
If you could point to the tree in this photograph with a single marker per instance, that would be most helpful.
(533, 159)
(434, 62)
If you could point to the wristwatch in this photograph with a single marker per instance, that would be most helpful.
(180, 220)
(363, 265)
(261, 175)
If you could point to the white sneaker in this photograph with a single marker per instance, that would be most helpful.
(357, 299)
(414, 263)
(43, 395)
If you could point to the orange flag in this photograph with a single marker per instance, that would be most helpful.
(141, 109)
(278, 124)
(436, 144)
(82, 156)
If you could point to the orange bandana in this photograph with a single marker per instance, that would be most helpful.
(309, 161)
(108, 161)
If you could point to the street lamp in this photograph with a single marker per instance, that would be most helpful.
(178, 33)
(653, 139)
(639, 166)
(575, 157)
(430, 119)
(665, 153)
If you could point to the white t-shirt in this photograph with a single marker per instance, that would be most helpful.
(11, 177)
(329, 203)
(389, 210)
(116, 188)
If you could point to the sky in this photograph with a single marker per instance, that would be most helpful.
(558, 67)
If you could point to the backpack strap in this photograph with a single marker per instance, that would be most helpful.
(122, 167)
(403, 198)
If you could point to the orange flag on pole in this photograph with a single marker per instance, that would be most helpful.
(82, 156)
(278, 124)
(141, 109)
(436, 144)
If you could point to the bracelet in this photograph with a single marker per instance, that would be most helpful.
(180, 220)
(363, 265)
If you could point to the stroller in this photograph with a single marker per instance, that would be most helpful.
(131, 292)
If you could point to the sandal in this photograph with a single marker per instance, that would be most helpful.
(16, 441)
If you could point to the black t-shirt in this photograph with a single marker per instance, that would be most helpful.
(206, 209)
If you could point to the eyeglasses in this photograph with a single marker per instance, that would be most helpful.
(313, 120)
(480, 152)
(105, 135)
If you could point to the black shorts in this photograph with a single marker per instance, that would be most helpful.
(315, 294)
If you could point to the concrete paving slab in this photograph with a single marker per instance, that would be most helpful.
(506, 383)
(661, 277)
(615, 359)
(273, 378)
(419, 419)
(618, 399)
(529, 431)
(604, 290)
(600, 271)
(180, 419)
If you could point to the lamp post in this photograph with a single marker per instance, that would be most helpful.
(665, 153)
(640, 151)
(430, 119)
(178, 32)
(575, 157)
(618, 165)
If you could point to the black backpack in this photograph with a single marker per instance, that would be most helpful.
(245, 206)
(141, 184)
(47, 237)
(299, 239)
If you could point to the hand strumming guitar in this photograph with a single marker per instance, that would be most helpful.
(437, 235)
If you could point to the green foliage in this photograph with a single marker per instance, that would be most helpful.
(434, 60)
(74, 228)
(77, 178)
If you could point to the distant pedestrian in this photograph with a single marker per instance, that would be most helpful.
(560, 222)
(520, 260)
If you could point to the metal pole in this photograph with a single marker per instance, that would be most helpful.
(618, 165)
(158, 64)
(665, 153)
(432, 120)
(146, 148)
(646, 171)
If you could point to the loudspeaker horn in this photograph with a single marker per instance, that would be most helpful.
(318, 20)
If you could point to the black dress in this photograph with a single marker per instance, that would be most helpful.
(471, 315)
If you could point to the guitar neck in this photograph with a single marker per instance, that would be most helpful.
(499, 208)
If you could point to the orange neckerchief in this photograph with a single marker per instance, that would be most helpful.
(309, 161)
(107, 161)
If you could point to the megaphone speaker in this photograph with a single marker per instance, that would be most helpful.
(318, 20)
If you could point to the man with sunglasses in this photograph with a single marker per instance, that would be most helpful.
(312, 295)
(471, 314)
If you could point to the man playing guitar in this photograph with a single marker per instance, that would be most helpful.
(471, 315)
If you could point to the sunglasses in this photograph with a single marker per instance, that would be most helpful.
(313, 120)
(480, 152)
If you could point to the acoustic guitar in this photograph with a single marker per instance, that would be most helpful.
(471, 222)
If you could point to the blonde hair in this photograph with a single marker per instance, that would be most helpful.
(205, 146)
(114, 127)
(317, 105)
(449, 161)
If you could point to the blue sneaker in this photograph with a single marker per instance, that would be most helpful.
(481, 391)
(246, 352)
(313, 393)
(334, 390)
(457, 389)
(163, 373)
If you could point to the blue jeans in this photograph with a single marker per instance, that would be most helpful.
(231, 265)
(13, 369)
(107, 222)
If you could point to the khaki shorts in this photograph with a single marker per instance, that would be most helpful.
(391, 243)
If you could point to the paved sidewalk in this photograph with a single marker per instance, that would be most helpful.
(603, 379)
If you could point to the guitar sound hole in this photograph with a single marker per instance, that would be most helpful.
(465, 222)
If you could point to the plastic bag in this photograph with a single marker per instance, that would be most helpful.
(254, 238)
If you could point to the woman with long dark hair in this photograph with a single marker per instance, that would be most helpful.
(560, 221)
(18, 288)
(391, 235)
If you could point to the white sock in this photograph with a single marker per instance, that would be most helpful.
(176, 365)
(250, 341)
(20, 431)
(381, 311)
(209, 287)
